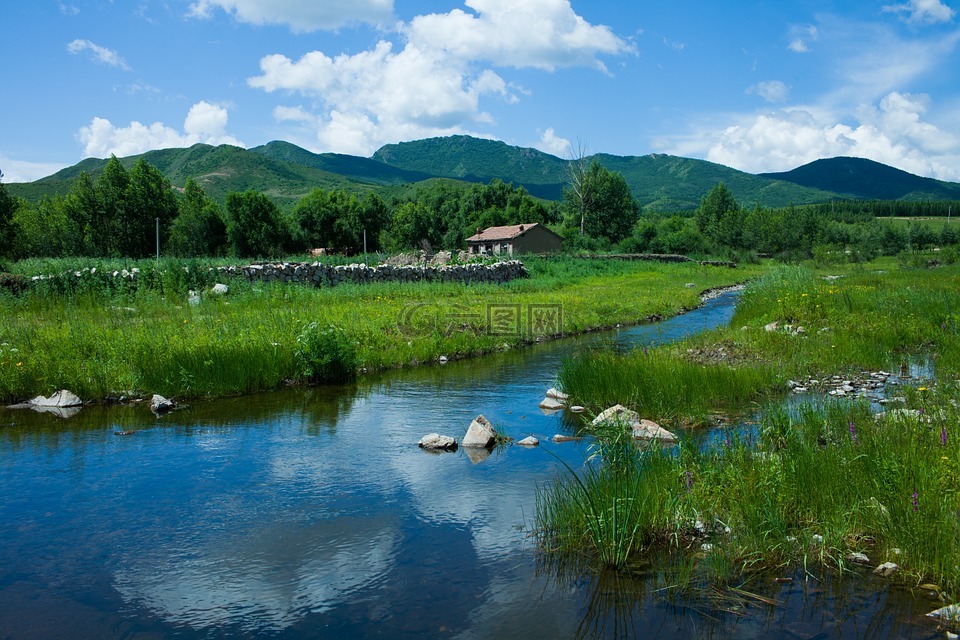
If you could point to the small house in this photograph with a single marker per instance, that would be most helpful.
(514, 239)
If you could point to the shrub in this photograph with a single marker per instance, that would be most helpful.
(326, 354)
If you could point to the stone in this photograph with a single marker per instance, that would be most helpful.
(529, 441)
(61, 399)
(816, 538)
(437, 442)
(480, 435)
(556, 394)
(858, 558)
(887, 569)
(770, 328)
(577, 409)
(562, 438)
(650, 430)
(617, 413)
(159, 404)
(220, 289)
(949, 613)
(551, 404)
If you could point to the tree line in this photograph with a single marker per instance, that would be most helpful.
(122, 213)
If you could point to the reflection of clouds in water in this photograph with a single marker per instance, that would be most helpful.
(268, 579)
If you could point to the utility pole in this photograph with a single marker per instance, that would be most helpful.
(364, 246)
(158, 239)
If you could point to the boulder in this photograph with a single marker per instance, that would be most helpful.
(480, 435)
(949, 613)
(220, 289)
(61, 399)
(650, 430)
(617, 413)
(551, 404)
(556, 394)
(887, 569)
(577, 409)
(562, 438)
(437, 442)
(529, 441)
(159, 404)
(858, 558)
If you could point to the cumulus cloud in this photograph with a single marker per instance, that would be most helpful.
(98, 53)
(433, 84)
(542, 34)
(205, 123)
(773, 91)
(300, 16)
(553, 144)
(893, 132)
(923, 11)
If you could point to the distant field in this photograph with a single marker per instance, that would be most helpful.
(933, 222)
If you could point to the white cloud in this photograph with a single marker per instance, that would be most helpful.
(24, 171)
(542, 34)
(923, 11)
(100, 54)
(300, 16)
(205, 123)
(892, 132)
(551, 143)
(800, 35)
(773, 91)
(434, 84)
(68, 9)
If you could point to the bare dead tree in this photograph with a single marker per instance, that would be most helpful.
(577, 172)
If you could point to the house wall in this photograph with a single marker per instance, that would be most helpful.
(537, 240)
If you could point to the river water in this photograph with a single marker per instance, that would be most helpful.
(313, 514)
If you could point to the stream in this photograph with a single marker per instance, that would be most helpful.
(313, 514)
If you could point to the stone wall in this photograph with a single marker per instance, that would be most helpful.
(322, 275)
(329, 276)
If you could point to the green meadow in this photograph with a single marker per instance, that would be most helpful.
(103, 338)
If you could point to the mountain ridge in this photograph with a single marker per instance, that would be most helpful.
(287, 172)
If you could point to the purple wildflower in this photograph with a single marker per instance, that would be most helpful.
(853, 433)
(644, 349)
(943, 436)
(915, 500)
(689, 478)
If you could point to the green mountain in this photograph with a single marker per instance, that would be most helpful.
(867, 180)
(287, 172)
(658, 181)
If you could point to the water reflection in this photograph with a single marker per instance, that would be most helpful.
(303, 514)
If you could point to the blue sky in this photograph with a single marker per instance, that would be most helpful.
(764, 85)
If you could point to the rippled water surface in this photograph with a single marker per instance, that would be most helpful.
(313, 514)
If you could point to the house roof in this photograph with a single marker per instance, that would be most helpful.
(492, 234)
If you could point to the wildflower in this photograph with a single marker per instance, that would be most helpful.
(853, 433)
(943, 436)
(921, 389)
(19, 364)
(915, 500)
(689, 479)
(644, 349)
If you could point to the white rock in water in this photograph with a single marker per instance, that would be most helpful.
(551, 404)
(556, 394)
(650, 430)
(159, 404)
(950, 613)
(577, 409)
(437, 442)
(529, 441)
(60, 399)
(617, 413)
(887, 569)
(480, 434)
(859, 558)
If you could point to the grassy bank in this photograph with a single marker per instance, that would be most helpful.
(104, 340)
(808, 485)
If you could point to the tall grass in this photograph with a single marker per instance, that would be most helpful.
(808, 485)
